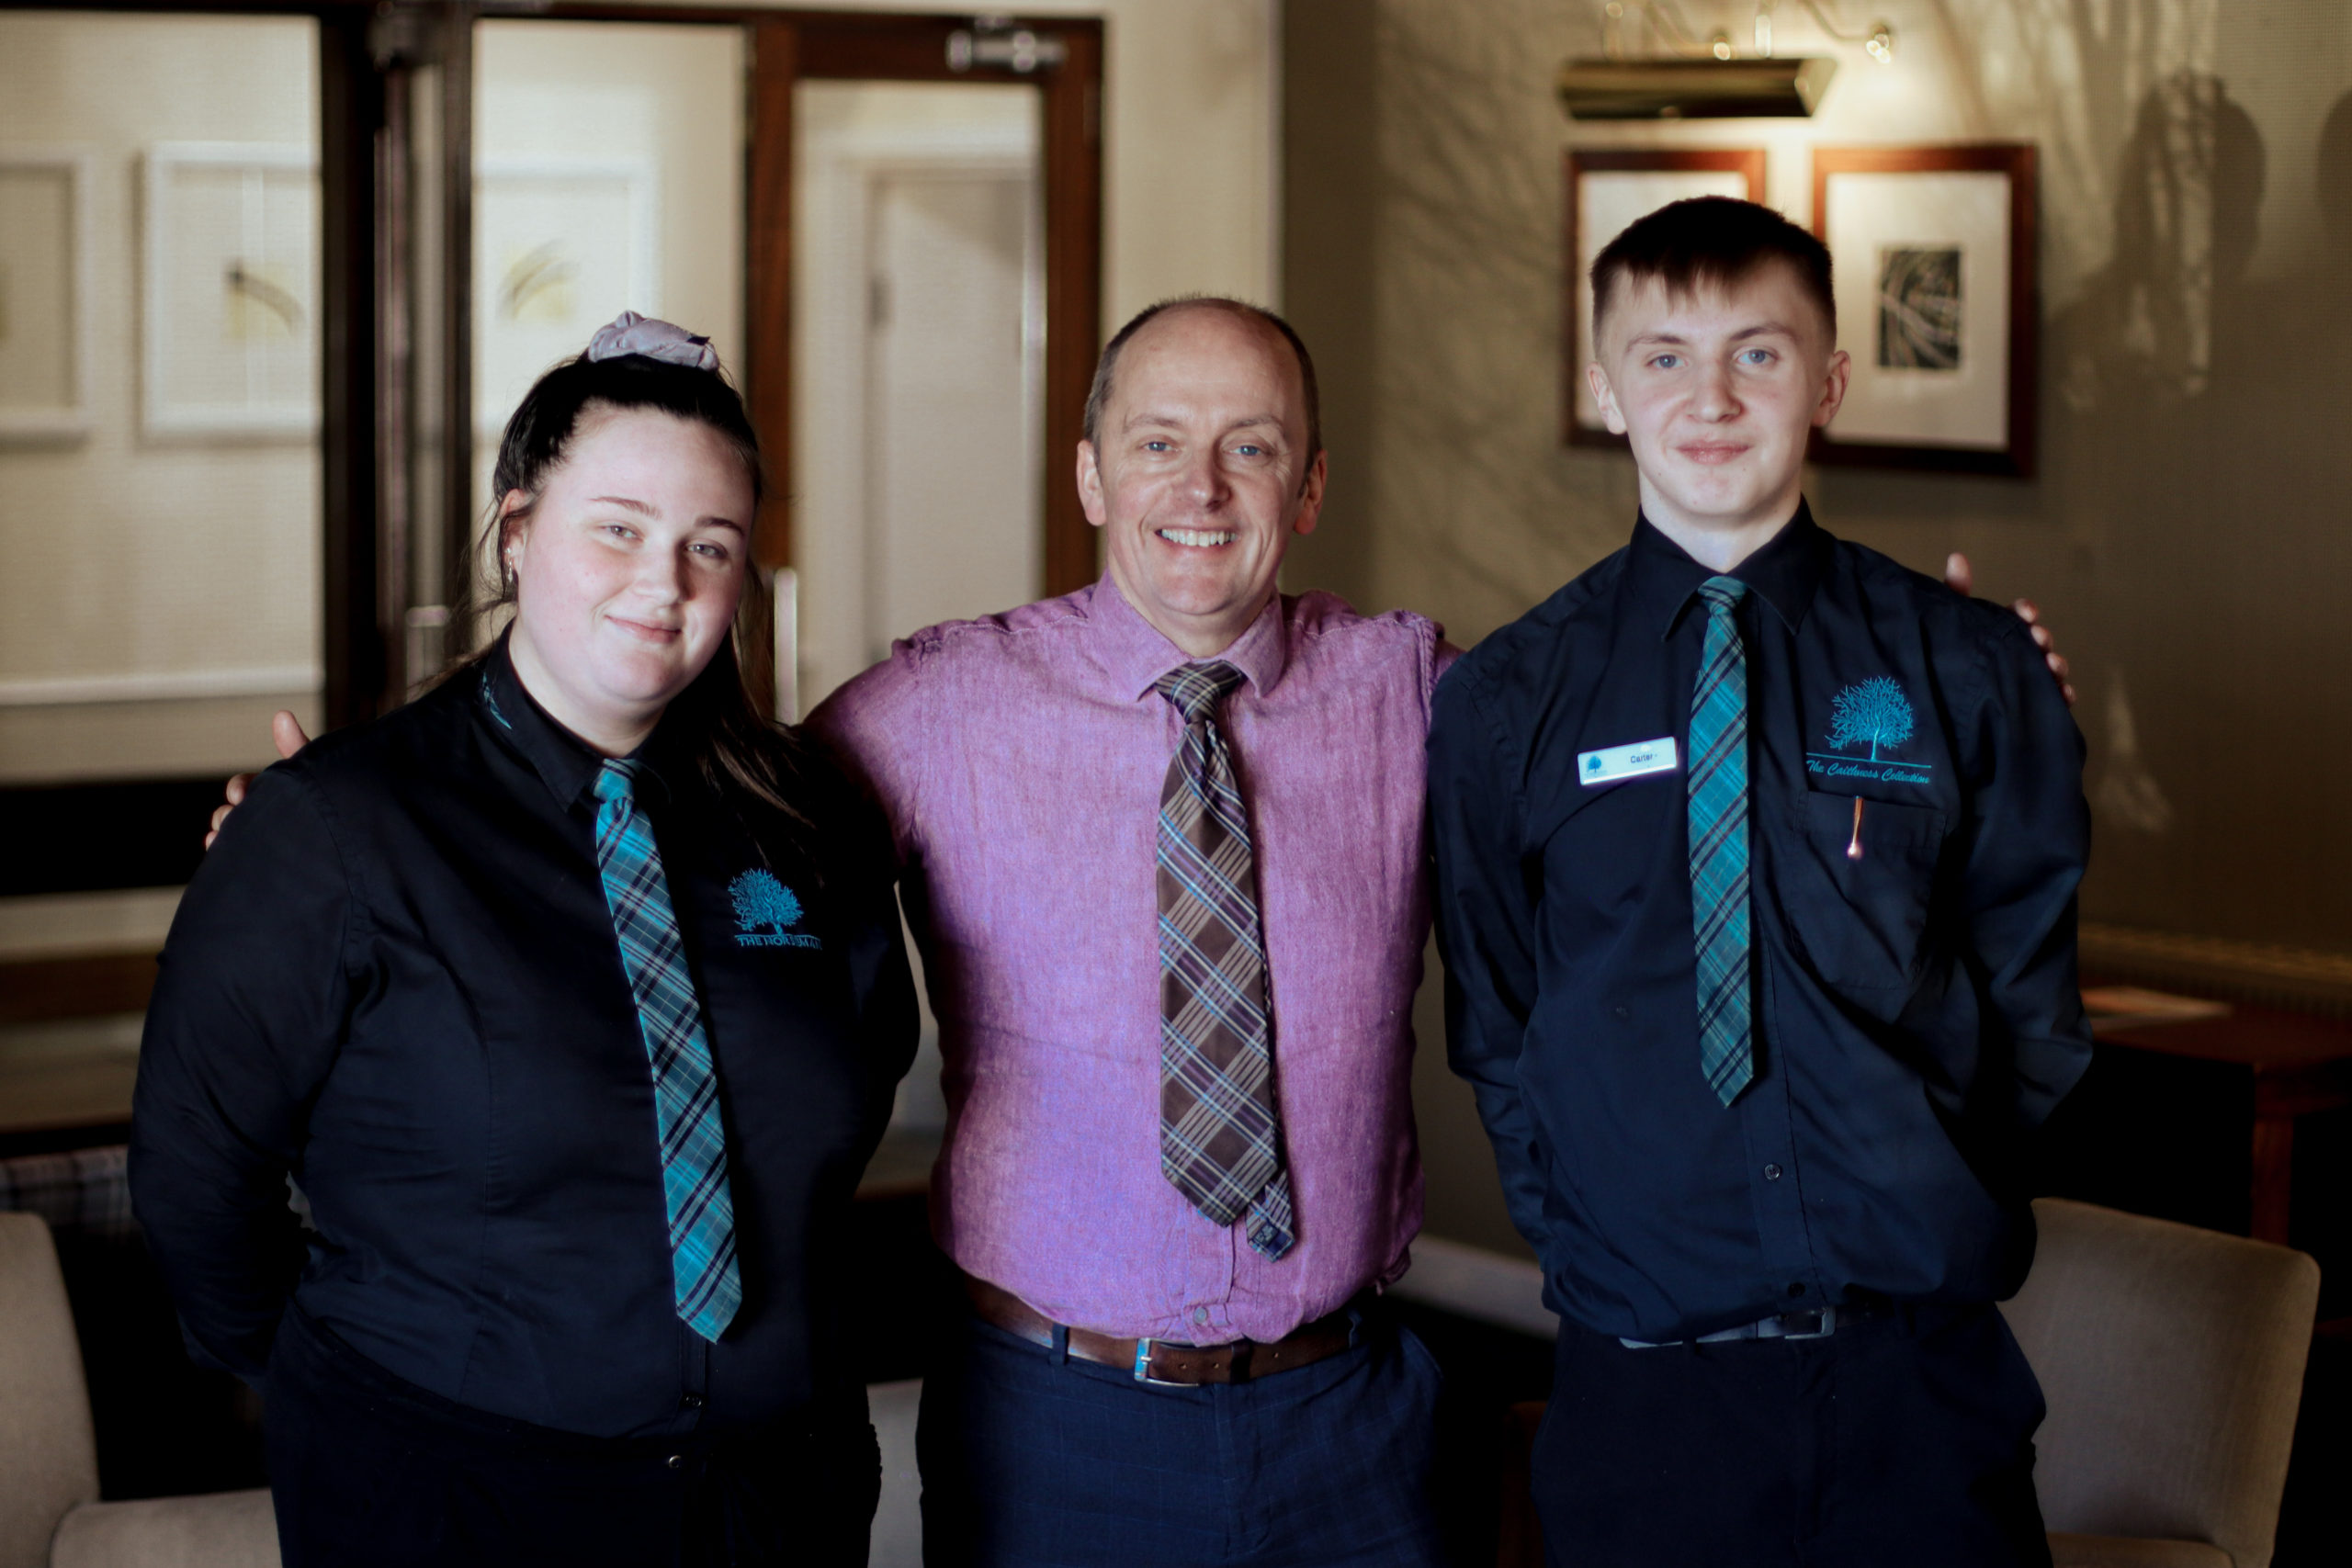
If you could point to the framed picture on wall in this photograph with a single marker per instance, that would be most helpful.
(231, 328)
(1607, 191)
(1934, 255)
(560, 247)
(46, 294)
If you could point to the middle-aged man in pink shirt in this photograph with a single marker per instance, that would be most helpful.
(1122, 1182)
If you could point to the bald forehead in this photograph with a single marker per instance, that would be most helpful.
(1208, 322)
(1204, 347)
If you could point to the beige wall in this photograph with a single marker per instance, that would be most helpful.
(2189, 523)
(151, 565)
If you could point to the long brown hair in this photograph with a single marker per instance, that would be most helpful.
(761, 768)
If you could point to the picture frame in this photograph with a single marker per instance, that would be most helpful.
(1933, 251)
(230, 322)
(1606, 190)
(46, 294)
(561, 247)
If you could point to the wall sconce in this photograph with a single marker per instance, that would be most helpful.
(1696, 79)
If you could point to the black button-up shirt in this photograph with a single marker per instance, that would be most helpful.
(1917, 1010)
(396, 979)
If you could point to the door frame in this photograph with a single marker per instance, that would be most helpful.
(792, 47)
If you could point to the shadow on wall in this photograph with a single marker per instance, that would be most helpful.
(2196, 423)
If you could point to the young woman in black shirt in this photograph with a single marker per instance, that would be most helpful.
(571, 996)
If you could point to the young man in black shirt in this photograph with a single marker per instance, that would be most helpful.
(1756, 867)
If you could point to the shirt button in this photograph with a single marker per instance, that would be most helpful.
(690, 1400)
(676, 1462)
(1796, 1289)
(1772, 1173)
(1200, 1314)
(1623, 1012)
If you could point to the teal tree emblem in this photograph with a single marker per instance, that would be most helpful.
(762, 903)
(1873, 713)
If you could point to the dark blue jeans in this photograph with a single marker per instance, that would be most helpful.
(1906, 1439)
(1032, 1458)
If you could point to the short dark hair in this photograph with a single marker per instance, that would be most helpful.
(1710, 242)
(1099, 395)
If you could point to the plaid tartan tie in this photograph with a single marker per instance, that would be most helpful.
(704, 1279)
(1220, 1140)
(1717, 782)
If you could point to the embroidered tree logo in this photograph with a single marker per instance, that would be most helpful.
(1875, 712)
(762, 902)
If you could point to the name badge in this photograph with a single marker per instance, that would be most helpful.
(1640, 760)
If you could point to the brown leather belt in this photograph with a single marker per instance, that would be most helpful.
(1165, 1360)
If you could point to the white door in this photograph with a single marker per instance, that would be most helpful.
(919, 285)
(952, 504)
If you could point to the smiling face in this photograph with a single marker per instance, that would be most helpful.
(1717, 390)
(628, 568)
(1200, 474)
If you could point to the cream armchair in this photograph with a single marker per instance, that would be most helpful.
(49, 1516)
(2172, 1359)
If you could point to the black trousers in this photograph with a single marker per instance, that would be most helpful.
(1902, 1438)
(367, 1468)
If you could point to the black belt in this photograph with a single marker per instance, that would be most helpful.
(1814, 1323)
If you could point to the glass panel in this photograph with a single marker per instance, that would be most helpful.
(159, 392)
(920, 308)
(608, 162)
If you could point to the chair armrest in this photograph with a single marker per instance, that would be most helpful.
(2069, 1550)
(222, 1530)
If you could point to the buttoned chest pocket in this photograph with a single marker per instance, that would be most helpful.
(1862, 921)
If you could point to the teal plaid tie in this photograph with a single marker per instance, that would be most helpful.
(703, 1275)
(1717, 778)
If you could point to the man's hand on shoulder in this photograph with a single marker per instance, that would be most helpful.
(286, 733)
(1961, 577)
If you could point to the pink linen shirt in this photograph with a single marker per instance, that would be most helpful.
(1019, 759)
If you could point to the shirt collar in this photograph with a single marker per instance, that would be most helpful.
(567, 764)
(1783, 573)
(1138, 653)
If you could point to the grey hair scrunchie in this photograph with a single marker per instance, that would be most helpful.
(629, 333)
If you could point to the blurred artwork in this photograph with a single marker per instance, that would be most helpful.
(1918, 307)
(229, 328)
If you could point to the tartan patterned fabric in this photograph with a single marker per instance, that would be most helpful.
(1717, 782)
(703, 1272)
(1220, 1142)
(84, 1192)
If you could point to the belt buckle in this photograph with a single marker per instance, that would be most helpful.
(1826, 1323)
(1143, 1367)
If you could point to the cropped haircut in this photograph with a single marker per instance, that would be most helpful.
(1099, 395)
(767, 773)
(1709, 243)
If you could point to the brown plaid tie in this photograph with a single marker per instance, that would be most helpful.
(1220, 1138)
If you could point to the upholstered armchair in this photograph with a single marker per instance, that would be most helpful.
(49, 1516)
(2172, 1360)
